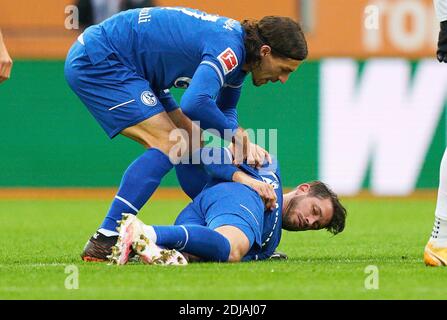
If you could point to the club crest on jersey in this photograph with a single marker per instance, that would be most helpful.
(148, 98)
(228, 60)
(273, 183)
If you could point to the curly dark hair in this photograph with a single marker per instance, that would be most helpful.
(320, 190)
(284, 36)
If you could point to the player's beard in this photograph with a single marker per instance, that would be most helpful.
(256, 75)
(255, 80)
(258, 82)
(290, 221)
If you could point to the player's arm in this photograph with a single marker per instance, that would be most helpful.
(198, 102)
(5, 61)
(265, 190)
(441, 13)
(217, 162)
(227, 101)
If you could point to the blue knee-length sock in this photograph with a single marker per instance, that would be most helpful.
(197, 240)
(139, 182)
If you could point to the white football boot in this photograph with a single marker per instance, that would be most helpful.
(150, 253)
(129, 228)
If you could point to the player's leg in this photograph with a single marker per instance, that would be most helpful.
(239, 241)
(227, 243)
(213, 234)
(435, 253)
(223, 230)
(192, 177)
(144, 174)
(122, 102)
(138, 183)
(200, 241)
(190, 234)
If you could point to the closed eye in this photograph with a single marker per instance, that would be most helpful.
(317, 212)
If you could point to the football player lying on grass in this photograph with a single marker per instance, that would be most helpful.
(238, 216)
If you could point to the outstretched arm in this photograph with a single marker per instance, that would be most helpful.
(5, 61)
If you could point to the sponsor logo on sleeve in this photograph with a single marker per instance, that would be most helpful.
(228, 60)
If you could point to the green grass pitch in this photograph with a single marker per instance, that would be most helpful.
(38, 239)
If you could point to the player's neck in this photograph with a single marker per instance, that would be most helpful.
(287, 197)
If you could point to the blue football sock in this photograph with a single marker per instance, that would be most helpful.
(139, 182)
(197, 240)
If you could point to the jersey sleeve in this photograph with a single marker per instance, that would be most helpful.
(226, 56)
(211, 97)
(167, 100)
(217, 162)
(198, 102)
(227, 102)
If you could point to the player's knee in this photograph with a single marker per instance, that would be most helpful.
(237, 241)
(238, 249)
(236, 255)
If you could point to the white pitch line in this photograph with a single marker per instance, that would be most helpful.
(36, 265)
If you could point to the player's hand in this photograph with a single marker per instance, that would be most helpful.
(256, 156)
(442, 43)
(244, 150)
(265, 190)
(5, 63)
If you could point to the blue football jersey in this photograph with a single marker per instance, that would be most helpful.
(272, 226)
(167, 45)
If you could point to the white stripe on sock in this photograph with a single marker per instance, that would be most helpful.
(108, 233)
(128, 203)
(187, 238)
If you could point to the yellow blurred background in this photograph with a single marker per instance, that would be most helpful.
(404, 28)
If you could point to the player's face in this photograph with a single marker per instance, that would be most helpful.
(308, 213)
(272, 68)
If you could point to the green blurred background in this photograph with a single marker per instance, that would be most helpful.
(49, 139)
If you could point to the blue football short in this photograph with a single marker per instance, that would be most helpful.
(114, 94)
(227, 203)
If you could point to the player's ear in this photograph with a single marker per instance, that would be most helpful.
(302, 189)
(265, 50)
